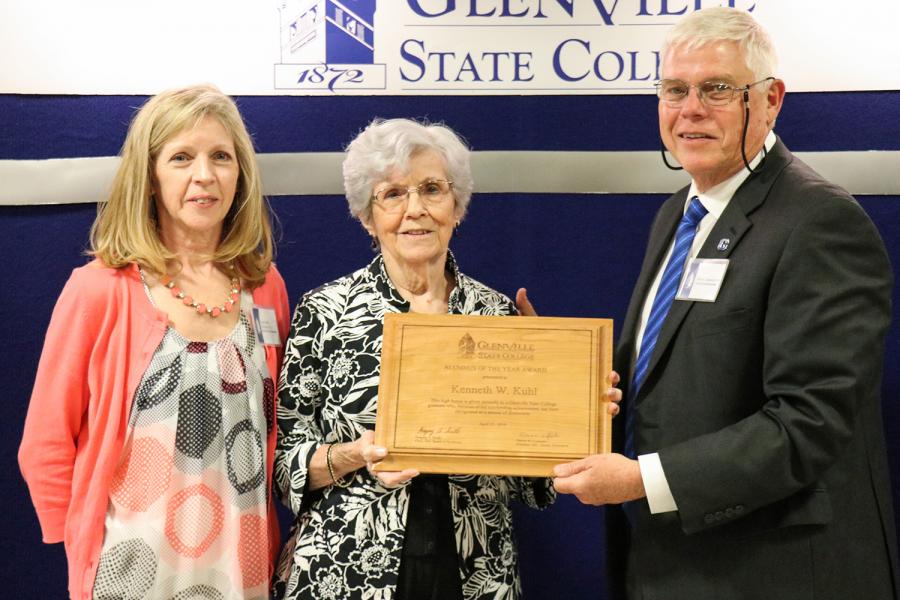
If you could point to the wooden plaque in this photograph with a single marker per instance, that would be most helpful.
(492, 395)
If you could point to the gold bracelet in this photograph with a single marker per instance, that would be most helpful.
(334, 480)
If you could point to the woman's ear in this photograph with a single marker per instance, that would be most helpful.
(458, 212)
(368, 225)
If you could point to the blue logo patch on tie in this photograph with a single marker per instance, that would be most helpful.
(723, 244)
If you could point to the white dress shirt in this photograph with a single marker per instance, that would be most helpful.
(715, 199)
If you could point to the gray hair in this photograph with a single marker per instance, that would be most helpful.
(385, 145)
(717, 24)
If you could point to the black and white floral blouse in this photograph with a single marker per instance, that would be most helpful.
(346, 543)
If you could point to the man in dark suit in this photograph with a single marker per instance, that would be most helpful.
(752, 400)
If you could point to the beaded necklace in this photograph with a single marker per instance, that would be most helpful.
(201, 308)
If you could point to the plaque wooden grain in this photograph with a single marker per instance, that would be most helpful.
(492, 395)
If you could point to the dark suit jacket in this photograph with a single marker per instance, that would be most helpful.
(765, 407)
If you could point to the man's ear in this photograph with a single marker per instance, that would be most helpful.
(774, 100)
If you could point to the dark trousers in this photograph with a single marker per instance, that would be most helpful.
(429, 564)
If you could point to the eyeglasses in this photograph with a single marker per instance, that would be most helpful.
(711, 93)
(393, 198)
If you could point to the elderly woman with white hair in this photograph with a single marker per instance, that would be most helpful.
(359, 534)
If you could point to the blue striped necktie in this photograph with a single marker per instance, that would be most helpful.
(665, 295)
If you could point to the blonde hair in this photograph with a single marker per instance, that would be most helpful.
(126, 229)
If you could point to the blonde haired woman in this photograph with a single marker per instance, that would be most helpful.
(149, 439)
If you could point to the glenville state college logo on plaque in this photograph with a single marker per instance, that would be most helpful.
(328, 45)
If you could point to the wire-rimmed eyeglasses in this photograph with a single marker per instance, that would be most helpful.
(711, 93)
(393, 198)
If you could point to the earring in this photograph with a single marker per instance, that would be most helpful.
(456, 230)
(375, 244)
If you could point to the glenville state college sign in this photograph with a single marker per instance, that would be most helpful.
(486, 46)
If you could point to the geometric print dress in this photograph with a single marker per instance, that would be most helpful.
(186, 518)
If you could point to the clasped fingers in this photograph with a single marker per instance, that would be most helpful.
(391, 479)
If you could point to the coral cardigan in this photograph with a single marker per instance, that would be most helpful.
(100, 341)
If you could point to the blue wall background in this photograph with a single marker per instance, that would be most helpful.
(577, 254)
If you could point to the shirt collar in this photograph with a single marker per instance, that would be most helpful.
(716, 198)
(377, 272)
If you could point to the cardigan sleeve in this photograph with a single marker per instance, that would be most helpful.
(273, 294)
(281, 305)
(58, 406)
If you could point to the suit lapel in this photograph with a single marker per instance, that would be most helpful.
(732, 225)
(657, 248)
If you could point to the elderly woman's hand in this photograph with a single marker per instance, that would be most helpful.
(523, 304)
(345, 458)
(373, 454)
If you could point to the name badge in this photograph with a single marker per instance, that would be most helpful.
(266, 326)
(702, 279)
